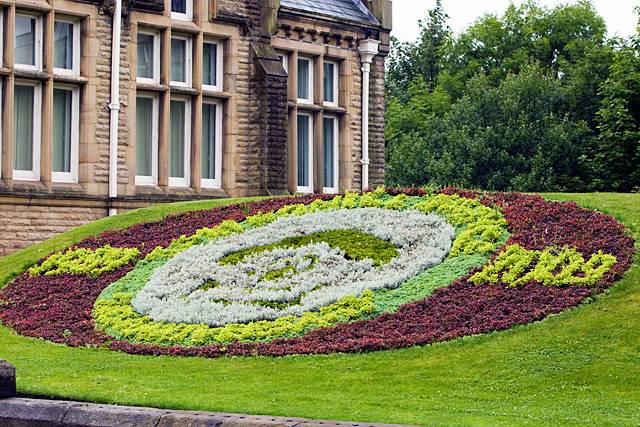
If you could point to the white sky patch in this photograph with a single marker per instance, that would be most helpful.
(618, 14)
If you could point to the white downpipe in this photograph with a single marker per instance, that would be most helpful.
(368, 50)
(114, 105)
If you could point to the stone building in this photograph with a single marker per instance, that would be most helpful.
(206, 98)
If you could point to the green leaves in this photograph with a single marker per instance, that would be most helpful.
(85, 261)
(551, 267)
(534, 99)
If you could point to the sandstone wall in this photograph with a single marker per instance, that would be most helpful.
(22, 225)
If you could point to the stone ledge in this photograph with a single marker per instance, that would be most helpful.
(16, 412)
(7, 379)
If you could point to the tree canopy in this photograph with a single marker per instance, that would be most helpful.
(535, 99)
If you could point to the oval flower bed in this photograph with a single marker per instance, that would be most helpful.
(321, 274)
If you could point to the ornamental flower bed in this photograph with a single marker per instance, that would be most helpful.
(320, 274)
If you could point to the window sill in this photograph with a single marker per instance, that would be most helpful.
(78, 80)
(151, 87)
(26, 186)
(184, 25)
(334, 110)
(309, 107)
(30, 74)
(216, 94)
(183, 90)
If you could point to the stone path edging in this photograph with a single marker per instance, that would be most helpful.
(52, 413)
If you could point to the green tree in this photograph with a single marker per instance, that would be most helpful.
(615, 159)
(517, 136)
(422, 59)
(533, 99)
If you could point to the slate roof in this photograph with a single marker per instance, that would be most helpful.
(350, 10)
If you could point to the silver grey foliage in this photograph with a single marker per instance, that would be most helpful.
(317, 275)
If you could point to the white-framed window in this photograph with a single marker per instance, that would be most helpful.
(211, 149)
(180, 142)
(182, 9)
(181, 59)
(148, 61)
(65, 134)
(305, 80)
(284, 60)
(212, 65)
(305, 153)
(27, 53)
(331, 80)
(27, 122)
(331, 152)
(66, 47)
(146, 139)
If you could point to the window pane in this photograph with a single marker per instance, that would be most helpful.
(208, 158)
(145, 55)
(329, 154)
(176, 144)
(179, 6)
(61, 137)
(178, 59)
(303, 151)
(23, 127)
(303, 78)
(329, 82)
(209, 65)
(63, 45)
(25, 48)
(144, 136)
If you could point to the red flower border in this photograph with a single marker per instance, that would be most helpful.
(58, 308)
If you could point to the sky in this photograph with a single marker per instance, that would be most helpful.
(618, 14)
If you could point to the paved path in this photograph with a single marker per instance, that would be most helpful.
(54, 413)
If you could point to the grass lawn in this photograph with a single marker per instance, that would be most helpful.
(578, 368)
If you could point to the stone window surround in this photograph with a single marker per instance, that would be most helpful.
(319, 53)
(199, 29)
(47, 77)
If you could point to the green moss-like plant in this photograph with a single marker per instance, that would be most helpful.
(85, 262)
(356, 245)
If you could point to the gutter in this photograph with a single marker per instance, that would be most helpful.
(368, 50)
(114, 105)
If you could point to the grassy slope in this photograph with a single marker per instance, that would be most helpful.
(582, 367)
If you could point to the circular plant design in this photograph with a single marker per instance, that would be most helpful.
(321, 274)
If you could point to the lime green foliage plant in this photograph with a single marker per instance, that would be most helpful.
(82, 261)
(482, 228)
(356, 245)
(116, 316)
(551, 267)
